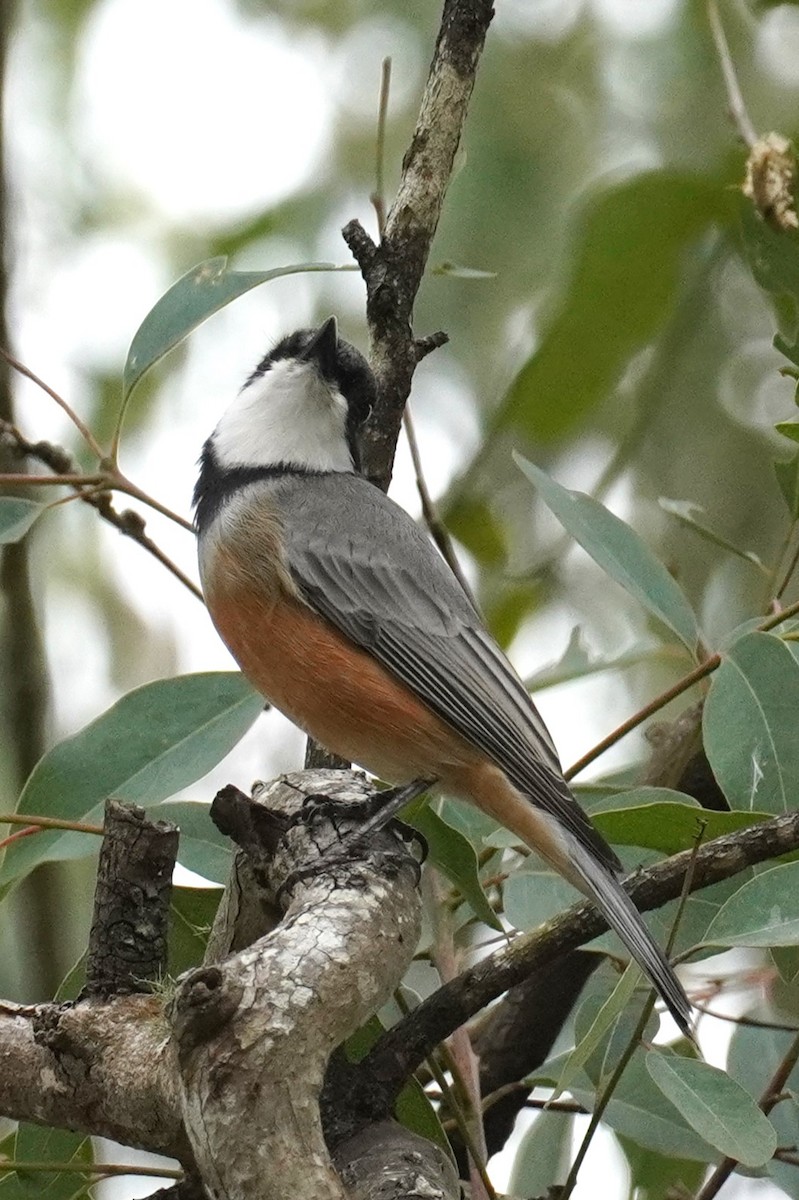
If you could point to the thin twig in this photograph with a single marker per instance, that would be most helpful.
(750, 1022)
(786, 579)
(76, 480)
(682, 685)
(95, 490)
(438, 531)
(79, 1168)
(458, 1053)
(735, 98)
(378, 197)
(677, 689)
(121, 483)
(393, 269)
(83, 429)
(50, 823)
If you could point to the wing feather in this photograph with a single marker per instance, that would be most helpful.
(375, 576)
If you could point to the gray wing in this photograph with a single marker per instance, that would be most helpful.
(361, 562)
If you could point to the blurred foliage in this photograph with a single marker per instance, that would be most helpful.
(623, 342)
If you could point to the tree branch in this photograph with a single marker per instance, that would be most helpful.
(242, 1025)
(400, 1051)
(102, 1068)
(128, 938)
(393, 269)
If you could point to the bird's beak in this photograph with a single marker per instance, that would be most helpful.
(323, 348)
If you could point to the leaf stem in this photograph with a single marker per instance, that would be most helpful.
(50, 823)
(378, 197)
(682, 685)
(438, 531)
(735, 98)
(78, 1168)
(83, 429)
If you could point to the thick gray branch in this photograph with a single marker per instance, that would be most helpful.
(101, 1068)
(403, 1048)
(255, 1032)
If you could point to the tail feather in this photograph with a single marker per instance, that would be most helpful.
(624, 918)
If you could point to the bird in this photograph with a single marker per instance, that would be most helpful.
(339, 609)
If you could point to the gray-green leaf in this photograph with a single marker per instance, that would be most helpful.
(715, 1106)
(616, 548)
(764, 912)
(750, 725)
(16, 517)
(150, 744)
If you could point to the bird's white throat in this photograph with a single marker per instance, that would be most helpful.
(290, 414)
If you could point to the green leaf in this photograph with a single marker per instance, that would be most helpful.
(773, 256)
(192, 912)
(16, 517)
(413, 1108)
(668, 826)
(717, 1107)
(749, 724)
(616, 1003)
(764, 912)
(616, 548)
(150, 744)
(471, 521)
(454, 855)
(755, 1055)
(787, 473)
(656, 1176)
(203, 848)
(631, 242)
(542, 1159)
(34, 1143)
(786, 960)
(637, 1109)
(684, 511)
(456, 272)
(198, 294)
(789, 429)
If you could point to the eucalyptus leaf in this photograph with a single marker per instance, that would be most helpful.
(717, 1107)
(670, 827)
(150, 744)
(616, 1003)
(454, 854)
(197, 295)
(763, 912)
(749, 723)
(203, 849)
(637, 1109)
(36, 1144)
(788, 429)
(787, 473)
(627, 259)
(686, 512)
(773, 256)
(16, 517)
(542, 1158)
(192, 912)
(616, 548)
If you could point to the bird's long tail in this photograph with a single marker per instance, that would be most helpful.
(624, 918)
